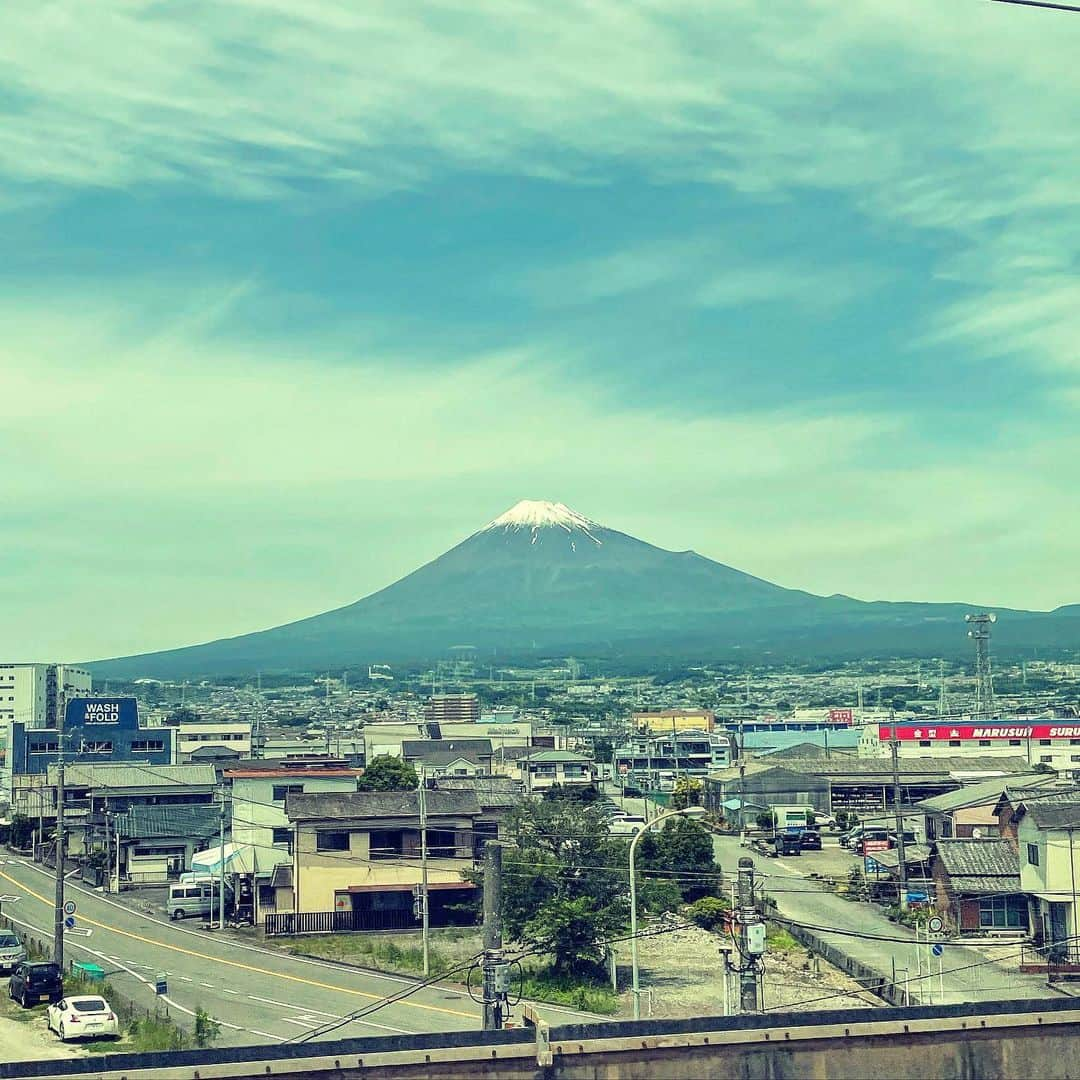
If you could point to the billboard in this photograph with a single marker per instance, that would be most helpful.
(841, 716)
(89, 712)
(933, 732)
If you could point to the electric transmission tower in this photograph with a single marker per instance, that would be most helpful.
(984, 683)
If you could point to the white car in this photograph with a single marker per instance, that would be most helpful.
(82, 1017)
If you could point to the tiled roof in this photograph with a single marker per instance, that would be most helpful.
(1060, 810)
(989, 791)
(980, 866)
(858, 768)
(492, 792)
(374, 804)
(424, 748)
(566, 756)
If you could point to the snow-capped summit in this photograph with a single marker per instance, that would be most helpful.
(537, 514)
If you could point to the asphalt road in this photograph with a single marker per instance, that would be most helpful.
(258, 994)
(967, 974)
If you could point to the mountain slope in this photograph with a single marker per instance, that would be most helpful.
(542, 578)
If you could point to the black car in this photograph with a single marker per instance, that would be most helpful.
(811, 839)
(33, 982)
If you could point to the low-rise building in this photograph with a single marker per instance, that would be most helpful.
(358, 855)
(653, 762)
(972, 812)
(977, 886)
(667, 721)
(453, 757)
(259, 789)
(1048, 839)
(194, 735)
(545, 769)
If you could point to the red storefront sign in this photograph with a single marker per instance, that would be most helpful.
(841, 716)
(870, 846)
(917, 733)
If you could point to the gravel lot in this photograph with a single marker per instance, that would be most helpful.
(684, 971)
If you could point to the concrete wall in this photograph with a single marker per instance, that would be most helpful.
(966, 1042)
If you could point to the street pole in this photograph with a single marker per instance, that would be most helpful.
(58, 909)
(748, 916)
(221, 868)
(742, 781)
(493, 1014)
(116, 888)
(424, 867)
(894, 747)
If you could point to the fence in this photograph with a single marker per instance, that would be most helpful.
(337, 922)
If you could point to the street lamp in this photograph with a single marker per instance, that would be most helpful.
(691, 812)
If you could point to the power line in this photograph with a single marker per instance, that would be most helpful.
(1040, 4)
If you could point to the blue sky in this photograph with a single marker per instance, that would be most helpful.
(295, 297)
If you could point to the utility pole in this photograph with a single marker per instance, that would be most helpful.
(58, 910)
(742, 781)
(494, 968)
(751, 939)
(894, 747)
(424, 867)
(221, 868)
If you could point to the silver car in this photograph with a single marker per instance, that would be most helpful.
(12, 953)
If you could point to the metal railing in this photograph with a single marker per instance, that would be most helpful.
(281, 923)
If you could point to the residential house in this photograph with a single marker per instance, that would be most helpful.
(977, 886)
(356, 857)
(259, 823)
(1046, 834)
(972, 811)
(155, 843)
(544, 769)
(449, 757)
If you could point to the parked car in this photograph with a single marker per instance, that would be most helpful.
(12, 953)
(198, 898)
(811, 839)
(32, 982)
(788, 842)
(82, 1017)
(825, 821)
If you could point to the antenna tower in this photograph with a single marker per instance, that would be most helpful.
(984, 683)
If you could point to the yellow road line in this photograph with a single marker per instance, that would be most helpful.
(236, 963)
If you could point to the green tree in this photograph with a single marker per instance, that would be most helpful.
(688, 792)
(207, 1029)
(682, 851)
(22, 829)
(563, 889)
(603, 751)
(386, 773)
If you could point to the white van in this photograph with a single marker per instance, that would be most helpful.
(192, 898)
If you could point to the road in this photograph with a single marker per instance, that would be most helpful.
(258, 994)
(799, 899)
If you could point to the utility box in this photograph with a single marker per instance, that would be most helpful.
(88, 971)
(755, 939)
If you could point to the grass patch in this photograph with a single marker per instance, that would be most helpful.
(12, 1010)
(589, 995)
(404, 955)
(781, 941)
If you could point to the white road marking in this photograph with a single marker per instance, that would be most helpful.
(302, 1021)
(208, 986)
(226, 990)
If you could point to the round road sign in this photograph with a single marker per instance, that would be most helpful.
(70, 908)
(69, 922)
(937, 949)
(935, 924)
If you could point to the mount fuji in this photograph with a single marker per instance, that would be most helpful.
(544, 580)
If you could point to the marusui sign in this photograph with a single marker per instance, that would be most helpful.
(912, 733)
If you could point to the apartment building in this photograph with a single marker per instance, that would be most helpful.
(550, 768)
(198, 737)
(655, 761)
(452, 709)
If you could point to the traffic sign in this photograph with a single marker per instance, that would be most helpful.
(80, 931)
(69, 923)
(937, 949)
(935, 924)
(70, 908)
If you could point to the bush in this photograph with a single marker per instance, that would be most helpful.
(590, 994)
(658, 896)
(708, 912)
(207, 1029)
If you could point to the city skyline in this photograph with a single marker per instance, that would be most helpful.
(294, 304)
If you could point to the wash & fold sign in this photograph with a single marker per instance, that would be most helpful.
(908, 733)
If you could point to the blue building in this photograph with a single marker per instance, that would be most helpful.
(95, 730)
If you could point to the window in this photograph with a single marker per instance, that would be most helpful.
(332, 841)
(442, 843)
(1033, 854)
(1016, 742)
(284, 837)
(1046, 758)
(924, 742)
(389, 843)
(1074, 742)
(984, 742)
(97, 747)
(1074, 757)
(147, 746)
(44, 748)
(1005, 912)
(1045, 742)
(281, 790)
(954, 742)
